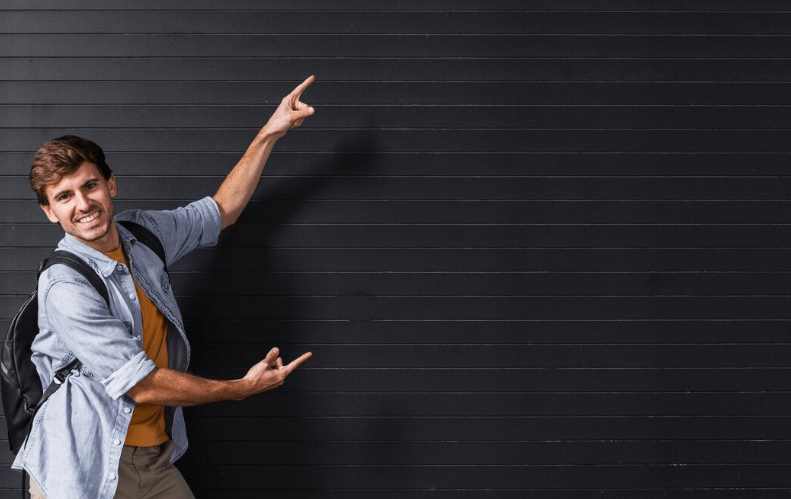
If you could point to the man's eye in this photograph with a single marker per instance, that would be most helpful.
(90, 185)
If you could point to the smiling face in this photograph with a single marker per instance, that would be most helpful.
(83, 205)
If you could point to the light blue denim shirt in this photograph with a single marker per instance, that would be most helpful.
(75, 445)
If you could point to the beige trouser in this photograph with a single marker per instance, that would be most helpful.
(144, 472)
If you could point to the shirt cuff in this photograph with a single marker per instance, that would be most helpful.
(137, 368)
(210, 214)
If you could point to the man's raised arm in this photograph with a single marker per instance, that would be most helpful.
(238, 187)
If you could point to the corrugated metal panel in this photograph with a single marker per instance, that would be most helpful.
(539, 249)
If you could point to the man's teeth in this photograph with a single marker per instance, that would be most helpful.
(89, 218)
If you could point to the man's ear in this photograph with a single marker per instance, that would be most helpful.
(48, 212)
(111, 185)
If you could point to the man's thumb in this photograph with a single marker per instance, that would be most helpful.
(271, 357)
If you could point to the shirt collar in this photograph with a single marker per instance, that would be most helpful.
(98, 260)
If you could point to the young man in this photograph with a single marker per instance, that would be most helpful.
(116, 426)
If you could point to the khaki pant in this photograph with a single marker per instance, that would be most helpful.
(144, 473)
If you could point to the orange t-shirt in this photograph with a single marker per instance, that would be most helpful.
(148, 420)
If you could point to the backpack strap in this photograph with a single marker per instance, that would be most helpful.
(145, 236)
(60, 377)
(73, 261)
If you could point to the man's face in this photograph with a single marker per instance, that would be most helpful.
(83, 205)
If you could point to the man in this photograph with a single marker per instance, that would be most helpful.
(115, 426)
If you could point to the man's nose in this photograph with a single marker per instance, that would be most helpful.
(83, 203)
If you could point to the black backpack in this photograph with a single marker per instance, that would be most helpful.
(20, 385)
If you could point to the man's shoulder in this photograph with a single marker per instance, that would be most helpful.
(179, 221)
(134, 215)
(64, 286)
(205, 206)
(58, 273)
(144, 218)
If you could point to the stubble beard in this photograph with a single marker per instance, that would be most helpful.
(92, 235)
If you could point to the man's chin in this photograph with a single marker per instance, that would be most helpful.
(90, 235)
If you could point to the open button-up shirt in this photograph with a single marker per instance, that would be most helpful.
(75, 444)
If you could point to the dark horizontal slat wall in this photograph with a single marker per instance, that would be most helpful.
(539, 249)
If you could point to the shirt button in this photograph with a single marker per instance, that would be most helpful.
(127, 410)
(117, 442)
(132, 296)
(112, 476)
(120, 268)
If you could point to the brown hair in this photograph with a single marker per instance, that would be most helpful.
(60, 157)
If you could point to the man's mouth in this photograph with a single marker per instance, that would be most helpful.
(89, 218)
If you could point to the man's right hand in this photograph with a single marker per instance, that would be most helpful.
(270, 372)
(290, 113)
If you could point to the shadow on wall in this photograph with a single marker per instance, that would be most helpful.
(353, 157)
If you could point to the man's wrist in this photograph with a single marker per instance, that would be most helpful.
(266, 136)
(240, 389)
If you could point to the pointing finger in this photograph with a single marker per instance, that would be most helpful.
(293, 97)
(298, 361)
(302, 86)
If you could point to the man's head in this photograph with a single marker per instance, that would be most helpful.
(75, 188)
(60, 157)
